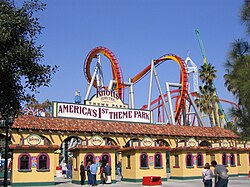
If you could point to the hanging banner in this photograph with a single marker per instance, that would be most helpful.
(71, 110)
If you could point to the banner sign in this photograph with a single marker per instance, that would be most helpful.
(72, 110)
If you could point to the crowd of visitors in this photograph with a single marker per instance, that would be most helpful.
(91, 169)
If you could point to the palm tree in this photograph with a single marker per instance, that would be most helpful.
(208, 100)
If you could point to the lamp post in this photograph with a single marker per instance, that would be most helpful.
(6, 124)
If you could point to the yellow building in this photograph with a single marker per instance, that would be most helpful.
(145, 149)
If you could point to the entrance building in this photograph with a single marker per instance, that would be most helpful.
(144, 149)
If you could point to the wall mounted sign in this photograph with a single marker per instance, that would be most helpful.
(192, 142)
(70, 110)
(33, 139)
(96, 140)
(147, 141)
(224, 143)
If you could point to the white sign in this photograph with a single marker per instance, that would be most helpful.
(96, 140)
(147, 141)
(70, 110)
(33, 139)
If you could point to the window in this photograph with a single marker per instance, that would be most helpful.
(232, 159)
(144, 160)
(199, 160)
(189, 160)
(238, 159)
(176, 161)
(43, 161)
(88, 158)
(106, 158)
(128, 162)
(24, 162)
(224, 159)
(158, 160)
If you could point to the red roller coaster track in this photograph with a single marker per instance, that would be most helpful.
(116, 70)
(118, 77)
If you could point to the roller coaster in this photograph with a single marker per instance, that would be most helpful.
(175, 106)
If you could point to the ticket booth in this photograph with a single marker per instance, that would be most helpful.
(140, 162)
(33, 162)
(93, 153)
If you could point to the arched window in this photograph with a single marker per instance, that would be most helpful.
(158, 160)
(144, 160)
(232, 159)
(24, 162)
(106, 158)
(224, 159)
(43, 161)
(88, 158)
(189, 160)
(200, 160)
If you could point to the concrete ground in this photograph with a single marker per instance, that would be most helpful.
(233, 182)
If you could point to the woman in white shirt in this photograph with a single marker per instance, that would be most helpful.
(207, 175)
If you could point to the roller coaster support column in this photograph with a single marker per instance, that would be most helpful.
(153, 71)
(170, 100)
(150, 84)
(196, 110)
(131, 91)
(92, 80)
(131, 94)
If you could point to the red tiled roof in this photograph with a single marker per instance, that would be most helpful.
(98, 126)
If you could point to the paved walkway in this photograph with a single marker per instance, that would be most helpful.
(233, 182)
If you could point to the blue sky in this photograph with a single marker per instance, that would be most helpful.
(136, 31)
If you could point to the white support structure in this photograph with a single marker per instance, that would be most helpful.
(112, 83)
(193, 69)
(153, 72)
(98, 75)
(168, 84)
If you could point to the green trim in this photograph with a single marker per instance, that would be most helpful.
(185, 178)
(243, 174)
(131, 180)
(233, 175)
(199, 177)
(76, 182)
(139, 180)
(33, 184)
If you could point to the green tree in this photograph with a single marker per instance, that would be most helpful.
(237, 77)
(238, 83)
(20, 71)
(208, 100)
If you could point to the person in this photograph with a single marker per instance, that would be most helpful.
(88, 173)
(101, 173)
(207, 175)
(82, 173)
(220, 174)
(107, 170)
(64, 169)
(69, 170)
(119, 166)
(93, 171)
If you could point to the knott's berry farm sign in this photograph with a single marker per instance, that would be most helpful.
(71, 110)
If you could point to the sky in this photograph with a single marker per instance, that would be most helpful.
(136, 31)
